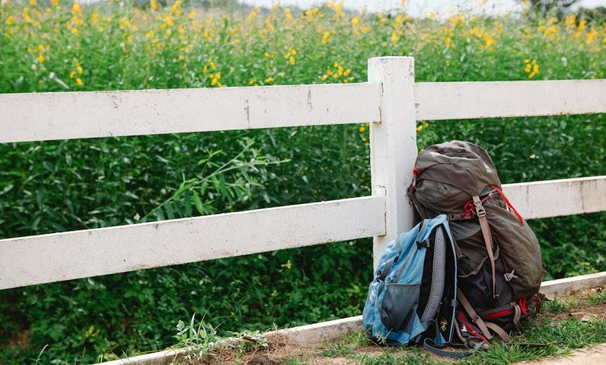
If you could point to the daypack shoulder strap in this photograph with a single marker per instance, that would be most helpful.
(430, 345)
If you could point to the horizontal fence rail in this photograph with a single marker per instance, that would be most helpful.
(71, 255)
(69, 115)
(52, 116)
(473, 100)
(79, 254)
(543, 199)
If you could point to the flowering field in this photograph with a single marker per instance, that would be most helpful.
(46, 187)
(55, 46)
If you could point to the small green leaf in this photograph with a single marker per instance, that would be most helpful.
(198, 203)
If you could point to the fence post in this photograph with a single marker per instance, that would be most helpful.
(393, 144)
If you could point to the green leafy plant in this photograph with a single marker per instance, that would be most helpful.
(199, 339)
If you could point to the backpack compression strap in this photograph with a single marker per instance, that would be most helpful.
(474, 316)
(481, 213)
(482, 325)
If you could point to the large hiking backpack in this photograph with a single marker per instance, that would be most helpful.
(413, 295)
(498, 255)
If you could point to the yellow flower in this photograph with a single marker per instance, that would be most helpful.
(580, 29)
(169, 21)
(33, 3)
(362, 129)
(394, 37)
(570, 21)
(192, 14)
(325, 38)
(72, 74)
(153, 4)
(79, 69)
(266, 55)
(41, 58)
(252, 15)
(531, 68)
(292, 61)
(76, 8)
(10, 20)
(55, 3)
(432, 15)
(79, 81)
(419, 128)
(288, 14)
(488, 41)
(269, 79)
(354, 20)
(214, 79)
(149, 35)
(324, 77)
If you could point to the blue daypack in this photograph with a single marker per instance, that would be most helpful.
(413, 296)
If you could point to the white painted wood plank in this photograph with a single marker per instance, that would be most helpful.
(566, 286)
(469, 100)
(393, 144)
(555, 198)
(50, 116)
(64, 256)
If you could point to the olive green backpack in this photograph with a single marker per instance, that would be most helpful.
(499, 258)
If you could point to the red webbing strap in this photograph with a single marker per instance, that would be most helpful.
(474, 316)
(508, 203)
(481, 213)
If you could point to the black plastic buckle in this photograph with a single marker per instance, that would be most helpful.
(421, 244)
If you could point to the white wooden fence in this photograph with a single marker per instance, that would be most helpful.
(391, 101)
